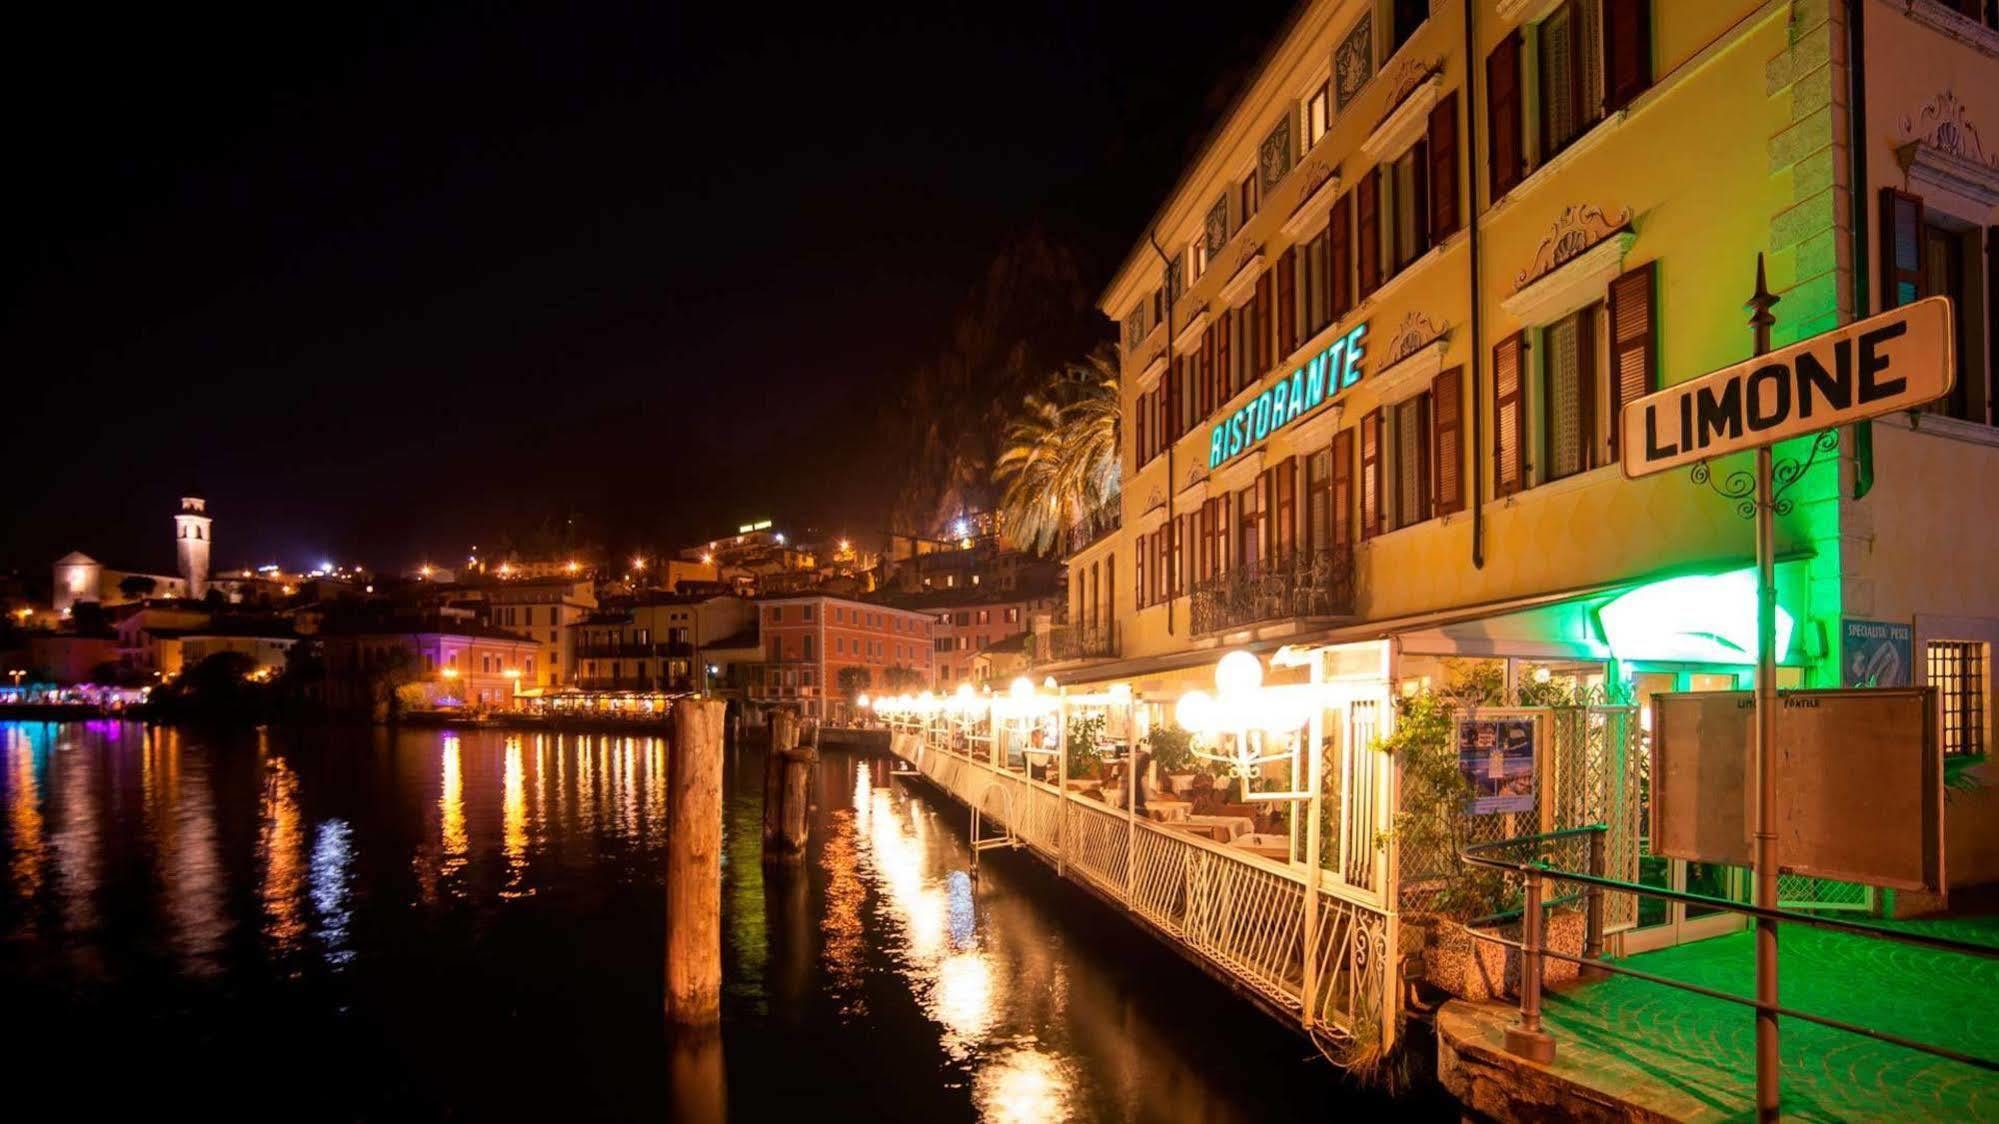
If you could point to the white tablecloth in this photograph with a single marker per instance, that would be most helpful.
(1170, 811)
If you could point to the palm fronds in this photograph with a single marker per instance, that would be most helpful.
(1060, 462)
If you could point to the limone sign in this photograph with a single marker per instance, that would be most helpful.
(1895, 361)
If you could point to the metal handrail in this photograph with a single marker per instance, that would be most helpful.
(1529, 1039)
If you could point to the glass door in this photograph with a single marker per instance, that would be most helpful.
(1663, 923)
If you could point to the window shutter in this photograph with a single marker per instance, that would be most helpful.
(1261, 352)
(1444, 168)
(1203, 401)
(1634, 347)
(1370, 474)
(1503, 114)
(1218, 378)
(1286, 516)
(1509, 418)
(1138, 584)
(1367, 231)
(1342, 502)
(1287, 302)
(1627, 51)
(1901, 247)
(1139, 457)
(1340, 267)
(1447, 410)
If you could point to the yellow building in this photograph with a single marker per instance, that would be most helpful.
(1375, 340)
(542, 609)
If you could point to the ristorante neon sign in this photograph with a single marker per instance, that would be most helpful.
(1322, 376)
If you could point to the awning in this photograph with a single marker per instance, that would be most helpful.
(1431, 631)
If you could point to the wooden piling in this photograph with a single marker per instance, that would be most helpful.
(694, 865)
(783, 736)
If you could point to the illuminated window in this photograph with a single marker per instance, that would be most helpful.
(1316, 115)
(1956, 668)
(1569, 394)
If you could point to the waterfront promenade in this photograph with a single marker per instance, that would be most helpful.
(1639, 1050)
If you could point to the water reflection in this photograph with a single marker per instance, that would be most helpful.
(364, 898)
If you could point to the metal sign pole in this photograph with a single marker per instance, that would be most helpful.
(1767, 1083)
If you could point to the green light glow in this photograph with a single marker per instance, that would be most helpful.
(1700, 618)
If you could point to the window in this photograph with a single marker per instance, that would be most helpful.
(1246, 199)
(1566, 49)
(1409, 462)
(1315, 298)
(1408, 15)
(1249, 526)
(1405, 220)
(1568, 381)
(1316, 115)
(1447, 440)
(1197, 256)
(1013, 615)
(1956, 668)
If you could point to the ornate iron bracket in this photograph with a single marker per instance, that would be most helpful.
(1740, 486)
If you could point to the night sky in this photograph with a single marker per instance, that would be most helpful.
(383, 284)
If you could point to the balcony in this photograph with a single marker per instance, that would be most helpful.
(1301, 585)
(1093, 528)
(633, 650)
(634, 683)
(1073, 642)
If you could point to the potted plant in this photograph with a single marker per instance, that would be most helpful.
(1084, 732)
(1172, 751)
(1443, 896)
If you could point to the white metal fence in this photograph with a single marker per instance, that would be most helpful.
(1244, 914)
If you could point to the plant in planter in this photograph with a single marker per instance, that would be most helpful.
(1441, 891)
(1085, 731)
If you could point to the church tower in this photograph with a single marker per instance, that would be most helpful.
(193, 534)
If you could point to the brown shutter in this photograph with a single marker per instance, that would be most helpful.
(1287, 506)
(1370, 474)
(1504, 115)
(1444, 168)
(1627, 51)
(1634, 346)
(1509, 417)
(1339, 267)
(1218, 378)
(1992, 317)
(1342, 500)
(1138, 451)
(1447, 441)
(1367, 232)
(1901, 247)
(1586, 379)
(1287, 303)
(1260, 350)
(1204, 401)
(1138, 582)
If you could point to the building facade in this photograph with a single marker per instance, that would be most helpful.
(1375, 344)
(434, 663)
(542, 610)
(655, 644)
(810, 640)
(967, 625)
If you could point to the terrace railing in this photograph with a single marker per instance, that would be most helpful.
(1300, 584)
(1074, 642)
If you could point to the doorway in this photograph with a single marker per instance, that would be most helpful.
(1663, 923)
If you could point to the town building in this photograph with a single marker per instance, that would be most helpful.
(543, 610)
(266, 643)
(433, 662)
(822, 652)
(968, 621)
(654, 644)
(1376, 339)
(80, 578)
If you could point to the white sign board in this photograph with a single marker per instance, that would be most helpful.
(1895, 361)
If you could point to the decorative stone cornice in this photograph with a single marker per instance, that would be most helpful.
(1411, 373)
(1238, 471)
(1242, 284)
(1190, 335)
(1943, 18)
(1415, 331)
(1152, 371)
(1577, 229)
(1581, 278)
(1945, 151)
(1524, 11)
(1322, 186)
(1406, 123)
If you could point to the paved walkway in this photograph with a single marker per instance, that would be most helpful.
(1704, 1049)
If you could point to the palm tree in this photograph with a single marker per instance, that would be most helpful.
(1060, 464)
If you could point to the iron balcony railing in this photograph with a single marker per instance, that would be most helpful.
(1304, 583)
(632, 649)
(1074, 642)
(1093, 527)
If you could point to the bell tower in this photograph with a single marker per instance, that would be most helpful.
(193, 534)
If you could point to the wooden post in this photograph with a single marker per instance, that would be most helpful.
(794, 822)
(783, 735)
(694, 865)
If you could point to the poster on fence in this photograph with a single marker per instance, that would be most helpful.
(1496, 756)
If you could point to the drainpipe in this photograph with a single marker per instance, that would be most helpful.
(1172, 539)
(1473, 386)
(1856, 126)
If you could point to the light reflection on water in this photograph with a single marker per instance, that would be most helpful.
(501, 892)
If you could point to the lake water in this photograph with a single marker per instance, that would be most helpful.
(350, 924)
